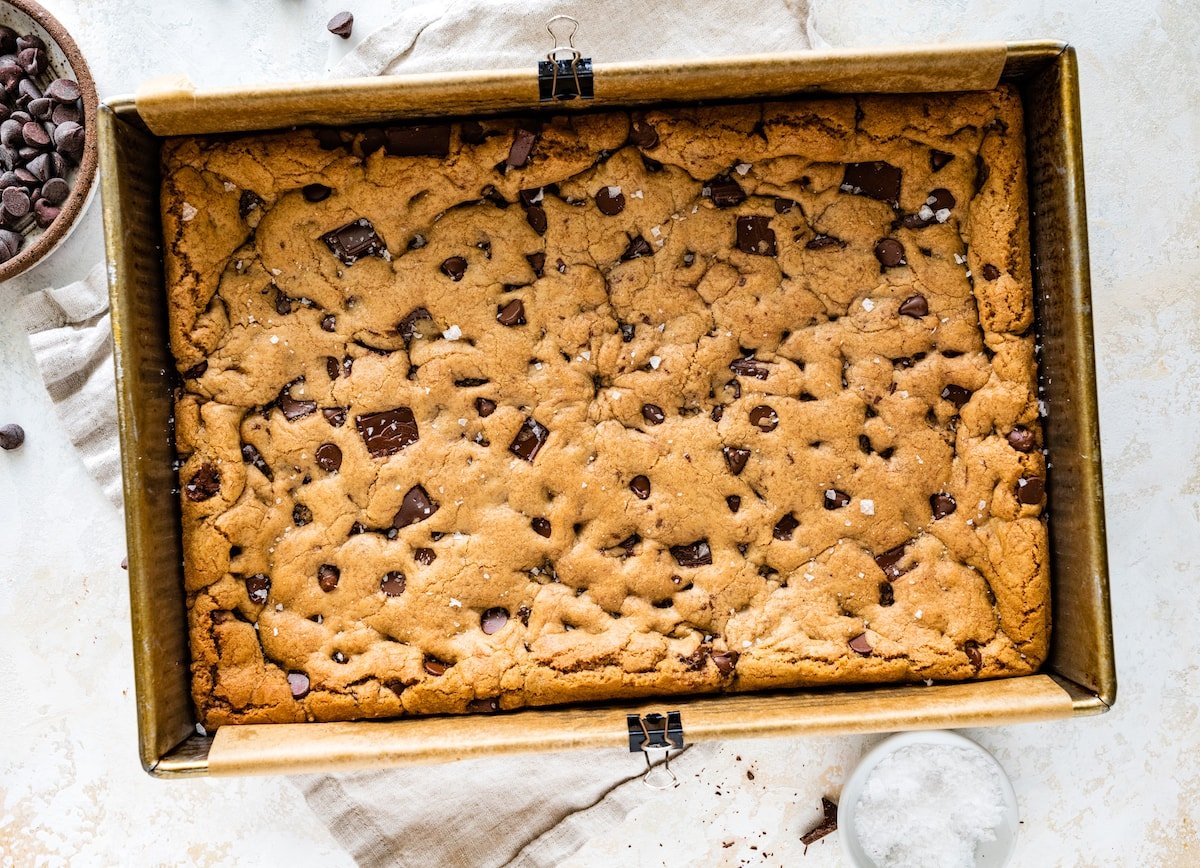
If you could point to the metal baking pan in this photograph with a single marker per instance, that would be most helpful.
(1079, 677)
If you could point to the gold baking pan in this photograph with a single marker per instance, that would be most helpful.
(1079, 677)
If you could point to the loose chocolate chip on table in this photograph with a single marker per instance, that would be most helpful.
(610, 200)
(828, 823)
(335, 416)
(435, 667)
(1021, 439)
(541, 527)
(956, 395)
(876, 179)
(301, 515)
(725, 661)
(299, 684)
(537, 261)
(353, 241)
(415, 507)
(939, 159)
(640, 486)
(638, 247)
(890, 252)
(734, 502)
(425, 140)
(329, 457)
(388, 431)
(887, 561)
(328, 577)
(258, 586)
(823, 242)
(511, 314)
(835, 499)
(454, 268)
(695, 554)
(483, 705)
(535, 216)
(316, 192)
(1030, 490)
(204, 484)
(12, 436)
(251, 456)
(341, 25)
(755, 235)
(942, 505)
(764, 418)
(642, 133)
(990, 272)
(653, 414)
(424, 556)
(392, 584)
(529, 440)
(861, 645)
(735, 458)
(725, 192)
(915, 306)
(521, 148)
(493, 620)
(63, 90)
(785, 527)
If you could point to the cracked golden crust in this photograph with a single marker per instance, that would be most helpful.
(856, 388)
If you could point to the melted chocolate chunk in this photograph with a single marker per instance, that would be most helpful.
(990, 272)
(888, 561)
(415, 507)
(472, 132)
(417, 323)
(861, 645)
(942, 505)
(887, 594)
(493, 620)
(638, 247)
(485, 407)
(541, 527)
(258, 586)
(1030, 490)
(764, 418)
(483, 706)
(328, 577)
(521, 148)
(823, 242)
(389, 431)
(535, 216)
(956, 395)
(755, 235)
(435, 667)
(785, 527)
(454, 268)
(940, 199)
(424, 556)
(329, 324)
(529, 440)
(938, 160)
(784, 206)
(537, 261)
(609, 202)
(1021, 439)
(890, 252)
(249, 201)
(725, 661)
(876, 179)
(735, 458)
(204, 484)
(653, 414)
(725, 192)
(748, 368)
(971, 649)
(299, 684)
(293, 408)
(642, 133)
(915, 306)
(195, 371)
(335, 416)
(329, 457)
(392, 584)
(511, 314)
(353, 241)
(982, 173)
(695, 554)
(315, 192)
(640, 486)
(424, 140)
(835, 499)
(627, 330)
(734, 502)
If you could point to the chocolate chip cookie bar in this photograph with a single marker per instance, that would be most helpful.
(510, 412)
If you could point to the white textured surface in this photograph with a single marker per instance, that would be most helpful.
(1121, 789)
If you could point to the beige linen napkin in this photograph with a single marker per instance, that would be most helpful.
(531, 810)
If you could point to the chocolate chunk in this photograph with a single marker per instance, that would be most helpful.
(653, 414)
(329, 324)
(764, 418)
(521, 148)
(940, 199)
(835, 499)
(299, 684)
(956, 395)
(341, 24)
(392, 584)
(939, 159)
(990, 272)
(876, 179)
(454, 268)
(1030, 490)
(329, 457)
(248, 201)
(1021, 439)
(828, 824)
(725, 661)
(541, 527)
(915, 306)
(328, 577)
(890, 252)
(415, 507)
(887, 594)
(353, 241)
(638, 247)
(725, 192)
(887, 561)
(472, 132)
(511, 314)
(63, 90)
(328, 139)
(529, 440)
(435, 667)
(942, 505)
(748, 367)
(301, 515)
(258, 586)
(626, 330)
(755, 235)
(823, 242)
(642, 133)
(695, 554)
(785, 527)
(205, 483)
(640, 486)
(316, 192)
(493, 620)
(389, 431)
(254, 458)
(537, 261)
(425, 140)
(424, 556)
(12, 436)
(373, 138)
(293, 408)
(535, 216)
(417, 323)
(734, 502)
(335, 416)
(483, 706)
(784, 206)
(735, 458)
(861, 645)
(609, 202)
(971, 648)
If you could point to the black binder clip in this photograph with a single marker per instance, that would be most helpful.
(652, 733)
(565, 73)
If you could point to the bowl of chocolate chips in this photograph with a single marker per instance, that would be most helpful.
(47, 135)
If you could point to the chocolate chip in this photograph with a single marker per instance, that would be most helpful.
(483, 706)
(521, 148)
(638, 247)
(388, 431)
(328, 577)
(493, 620)
(725, 661)
(253, 457)
(299, 684)
(695, 554)
(734, 502)
(424, 556)
(511, 314)
(417, 323)
(30, 40)
(329, 457)
(283, 304)
(316, 192)
(424, 140)
(887, 561)
(70, 138)
(828, 823)
(942, 505)
(33, 60)
(890, 252)
(293, 408)
(990, 272)
(609, 202)
(62, 114)
(529, 440)
(329, 324)
(764, 418)
(755, 235)
(372, 140)
(353, 241)
(835, 499)
(258, 587)
(415, 507)
(653, 414)
(785, 527)
(915, 306)
(12, 436)
(35, 135)
(40, 108)
(454, 268)
(784, 206)
(823, 242)
(247, 202)
(725, 192)
(748, 367)
(392, 584)
(44, 213)
(971, 649)
(341, 24)
(537, 261)
(640, 486)
(887, 594)
(301, 515)
(335, 416)
(541, 527)
(861, 645)
(435, 667)
(15, 202)
(63, 90)
(735, 458)
(472, 132)
(535, 216)
(642, 133)
(1030, 490)
(876, 179)
(939, 159)
(1021, 439)
(718, 412)
(956, 395)
(941, 199)
(205, 483)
